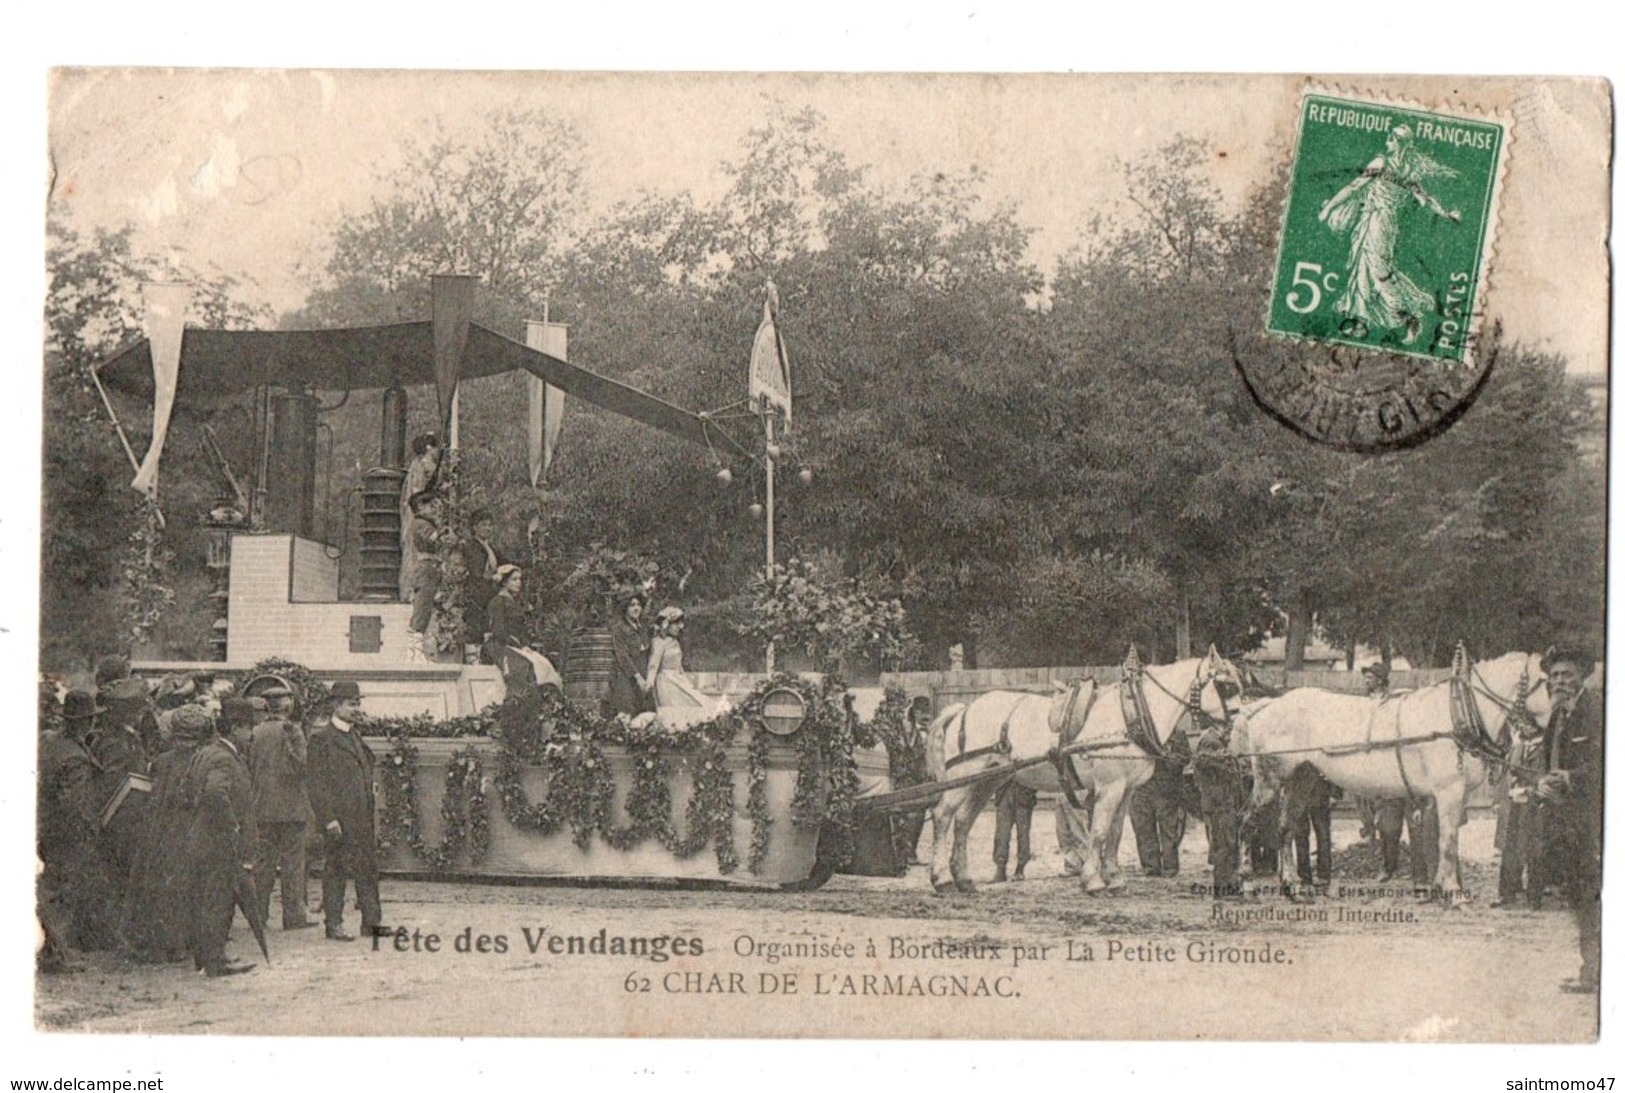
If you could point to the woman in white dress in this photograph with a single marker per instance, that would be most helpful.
(665, 679)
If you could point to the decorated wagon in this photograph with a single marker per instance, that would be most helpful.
(761, 793)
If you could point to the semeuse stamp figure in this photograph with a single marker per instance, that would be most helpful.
(1387, 227)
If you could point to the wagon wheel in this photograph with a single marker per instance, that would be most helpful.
(823, 863)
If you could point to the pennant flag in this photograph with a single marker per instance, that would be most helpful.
(546, 403)
(165, 323)
(451, 310)
(769, 363)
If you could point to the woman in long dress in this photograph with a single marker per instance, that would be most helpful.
(521, 665)
(1376, 294)
(629, 691)
(665, 679)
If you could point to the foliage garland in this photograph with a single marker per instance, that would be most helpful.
(146, 590)
(464, 811)
(310, 694)
(905, 759)
(542, 728)
(453, 591)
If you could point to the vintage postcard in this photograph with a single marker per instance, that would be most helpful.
(858, 556)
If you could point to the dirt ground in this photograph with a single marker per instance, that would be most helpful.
(1036, 958)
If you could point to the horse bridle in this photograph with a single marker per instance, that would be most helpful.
(1467, 724)
(1193, 704)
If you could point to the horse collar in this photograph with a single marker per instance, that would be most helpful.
(1467, 723)
(1137, 717)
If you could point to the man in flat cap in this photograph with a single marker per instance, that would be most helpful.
(219, 841)
(1571, 798)
(340, 782)
(277, 755)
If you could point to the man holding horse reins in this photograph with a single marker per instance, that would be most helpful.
(1570, 796)
(1223, 801)
(1157, 811)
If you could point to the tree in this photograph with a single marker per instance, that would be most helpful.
(92, 307)
(500, 204)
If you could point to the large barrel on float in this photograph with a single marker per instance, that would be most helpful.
(588, 666)
(381, 534)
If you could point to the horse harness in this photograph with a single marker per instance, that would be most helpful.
(1070, 783)
(1000, 747)
(1467, 724)
(1137, 714)
(1467, 727)
(1064, 770)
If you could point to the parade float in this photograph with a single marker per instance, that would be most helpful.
(473, 781)
(759, 793)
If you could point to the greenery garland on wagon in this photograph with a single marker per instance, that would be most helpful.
(544, 729)
(464, 812)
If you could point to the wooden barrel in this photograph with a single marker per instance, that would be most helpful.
(589, 665)
(381, 534)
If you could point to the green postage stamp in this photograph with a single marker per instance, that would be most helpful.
(1388, 227)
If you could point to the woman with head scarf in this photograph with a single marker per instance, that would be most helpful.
(157, 926)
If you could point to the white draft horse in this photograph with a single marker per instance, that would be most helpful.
(1122, 727)
(1432, 743)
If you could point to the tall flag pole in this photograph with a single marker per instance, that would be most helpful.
(770, 395)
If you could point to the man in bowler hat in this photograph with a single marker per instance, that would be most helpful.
(339, 770)
(1571, 798)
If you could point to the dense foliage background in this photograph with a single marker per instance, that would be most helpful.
(1042, 468)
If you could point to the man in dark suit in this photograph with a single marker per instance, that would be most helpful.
(339, 772)
(1571, 797)
(74, 884)
(1157, 811)
(276, 760)
(219, 794)
(482, 560)
(1223, 801)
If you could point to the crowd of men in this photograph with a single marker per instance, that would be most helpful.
(166, 809)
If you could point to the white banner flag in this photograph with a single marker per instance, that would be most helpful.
(165, 322)
(769, 363)
(546, 404)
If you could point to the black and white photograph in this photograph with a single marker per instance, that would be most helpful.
(845, 555)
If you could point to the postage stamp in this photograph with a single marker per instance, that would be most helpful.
(1388, 228)
(447, 631)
